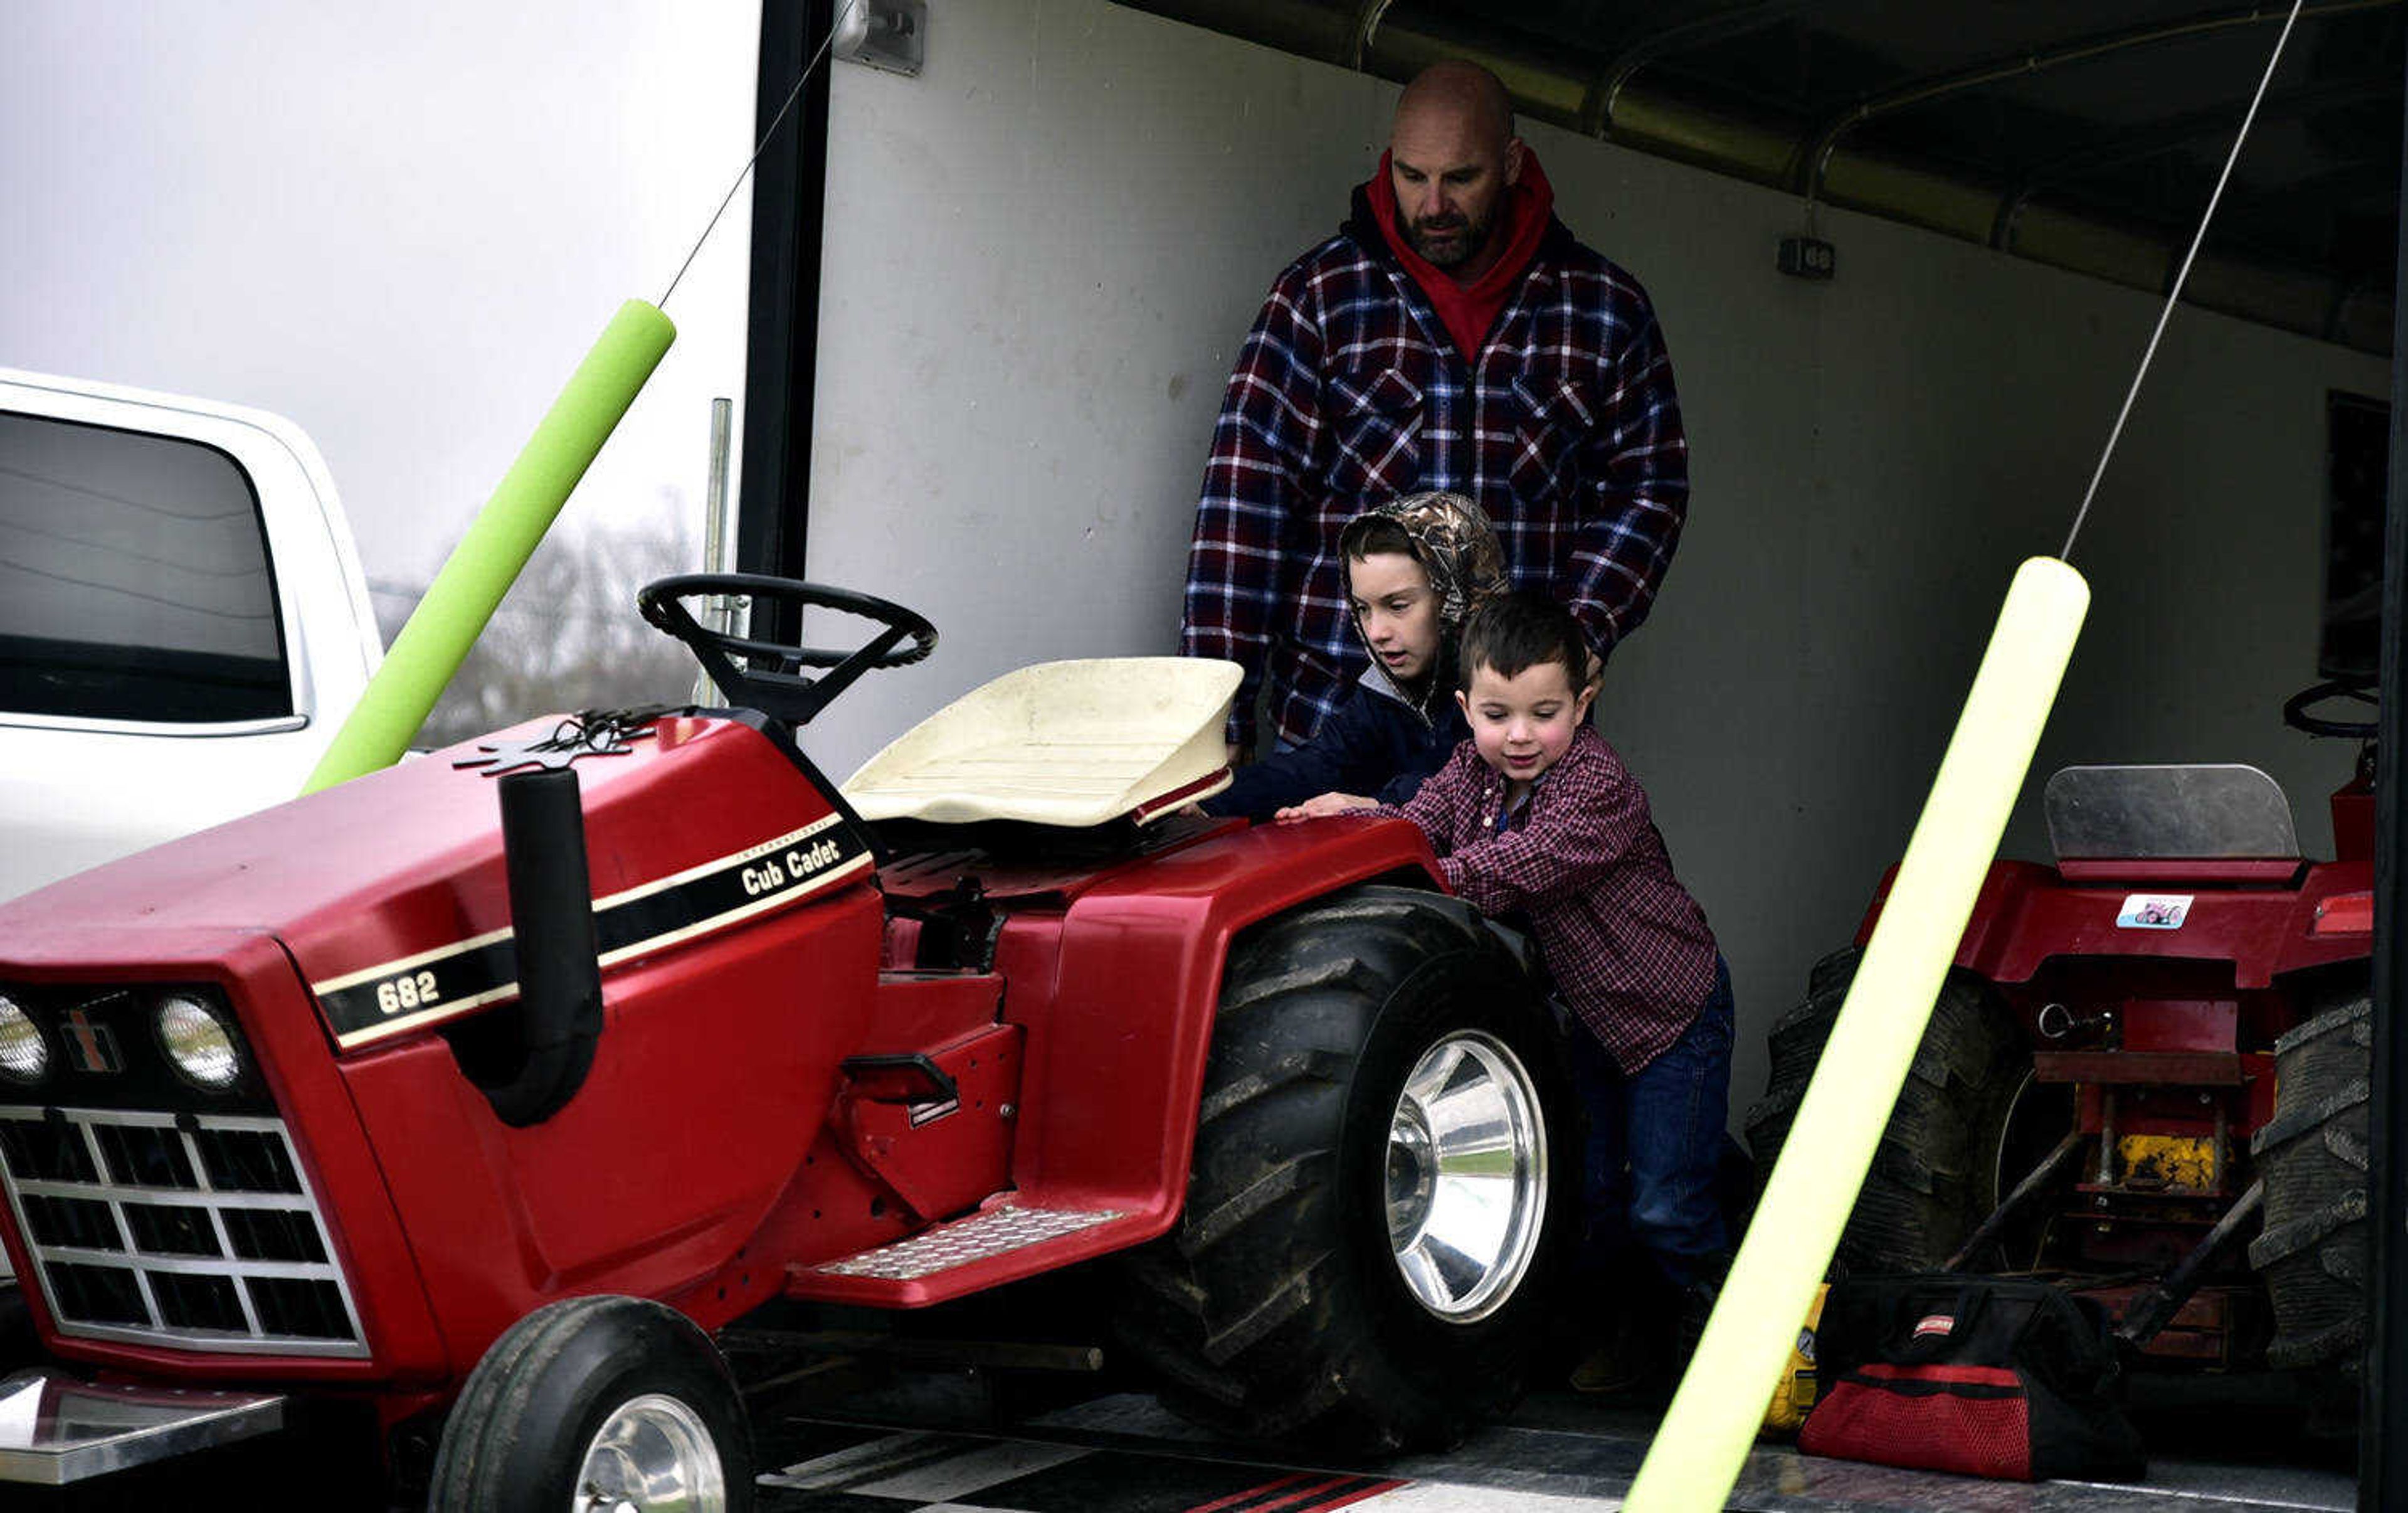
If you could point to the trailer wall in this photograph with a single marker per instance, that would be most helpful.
(1042, 253)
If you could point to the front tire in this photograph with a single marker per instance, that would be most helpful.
(595, 1404)
(1386, 1173)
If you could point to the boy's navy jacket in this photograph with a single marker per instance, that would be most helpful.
(1376, 744)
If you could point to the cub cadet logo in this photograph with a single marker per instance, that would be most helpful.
(1935, 1324)
(796, 865)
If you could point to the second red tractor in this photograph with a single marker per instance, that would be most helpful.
(2147, 1073)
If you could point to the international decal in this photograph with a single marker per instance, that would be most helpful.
(90, 1048)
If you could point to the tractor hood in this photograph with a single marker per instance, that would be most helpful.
(694, 822)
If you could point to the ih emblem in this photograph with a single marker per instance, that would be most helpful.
(90, 1047)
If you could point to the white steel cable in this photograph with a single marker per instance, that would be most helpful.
(838, 25)
(2180, 278)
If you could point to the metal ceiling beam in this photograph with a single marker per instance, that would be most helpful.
(1814, 160)
(2175, 132)
(2344, 177)
(1367, 22)
(1394, 39)
(1328, 30)
(1738, 21)
(1565, 87)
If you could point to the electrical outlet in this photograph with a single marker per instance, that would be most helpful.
(1807, 257)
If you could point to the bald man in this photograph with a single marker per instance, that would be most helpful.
(1452, 336)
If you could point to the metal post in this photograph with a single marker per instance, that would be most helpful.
(718, 531)
(782, 346)
(2383, 1428)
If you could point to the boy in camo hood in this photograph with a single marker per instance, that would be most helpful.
(1416, 567)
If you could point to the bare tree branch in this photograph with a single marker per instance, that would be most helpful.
(567, 637)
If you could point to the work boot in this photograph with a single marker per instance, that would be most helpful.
(1628, 1355)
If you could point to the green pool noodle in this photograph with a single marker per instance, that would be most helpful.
(1702, 1443)
(488, 559)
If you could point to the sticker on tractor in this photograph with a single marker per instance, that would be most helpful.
(417, 990)
(2154, 911)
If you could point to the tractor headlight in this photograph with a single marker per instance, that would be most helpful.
(24, 1055)
(198, 1043)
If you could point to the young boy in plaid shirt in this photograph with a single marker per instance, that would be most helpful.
(1537, 821)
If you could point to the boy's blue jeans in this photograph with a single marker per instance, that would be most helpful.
(1654, 1141)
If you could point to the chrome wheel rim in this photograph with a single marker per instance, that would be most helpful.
(652, 1455)
(1466, 1177)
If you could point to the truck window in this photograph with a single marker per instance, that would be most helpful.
(135, 582)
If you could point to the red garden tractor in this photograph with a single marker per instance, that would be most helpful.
(2144, 1056)
(486, 1090)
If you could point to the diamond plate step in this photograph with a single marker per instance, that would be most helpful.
(1005, 1241)
(996, 1231)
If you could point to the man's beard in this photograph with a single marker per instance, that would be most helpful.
(1447, 242)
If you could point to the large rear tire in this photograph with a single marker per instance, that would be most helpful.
(1936, 1173)
(2313, 1250)
(1386, 1171)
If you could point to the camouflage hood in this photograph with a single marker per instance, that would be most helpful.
(1455, 543)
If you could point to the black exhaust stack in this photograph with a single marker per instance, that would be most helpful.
(551, 928)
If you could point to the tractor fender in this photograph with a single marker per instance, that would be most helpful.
(2027, 914)
(1116, 1050)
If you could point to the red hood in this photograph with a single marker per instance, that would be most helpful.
(1469, 310)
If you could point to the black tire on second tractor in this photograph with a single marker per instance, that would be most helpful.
(579, 1398)
(1935, 1175)
(1279, 1306)
(2313, 1250)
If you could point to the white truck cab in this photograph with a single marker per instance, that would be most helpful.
(183, 622)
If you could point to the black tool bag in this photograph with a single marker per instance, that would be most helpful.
(1981, 1375)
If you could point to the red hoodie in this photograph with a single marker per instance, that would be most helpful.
(1469, 311)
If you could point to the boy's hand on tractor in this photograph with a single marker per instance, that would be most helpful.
(1321, 804)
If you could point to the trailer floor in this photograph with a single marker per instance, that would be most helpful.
(909, 1450)
(931, 1441)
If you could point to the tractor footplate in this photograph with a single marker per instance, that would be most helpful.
(994, 1233)
(1002, 1243)
(55, 1430)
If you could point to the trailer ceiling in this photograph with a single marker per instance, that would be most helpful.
(2085, 133)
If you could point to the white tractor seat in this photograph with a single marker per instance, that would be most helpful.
(1069, 744)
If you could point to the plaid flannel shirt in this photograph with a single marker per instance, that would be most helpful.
(1626, 945)
(1348, 392)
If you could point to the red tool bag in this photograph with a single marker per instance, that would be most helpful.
(1980, 1375)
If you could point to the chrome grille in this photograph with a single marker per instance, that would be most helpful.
(195, 1232)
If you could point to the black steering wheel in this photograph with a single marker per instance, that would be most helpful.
(2360, 688)
(769, 677)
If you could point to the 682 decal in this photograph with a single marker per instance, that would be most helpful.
(410, 990)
